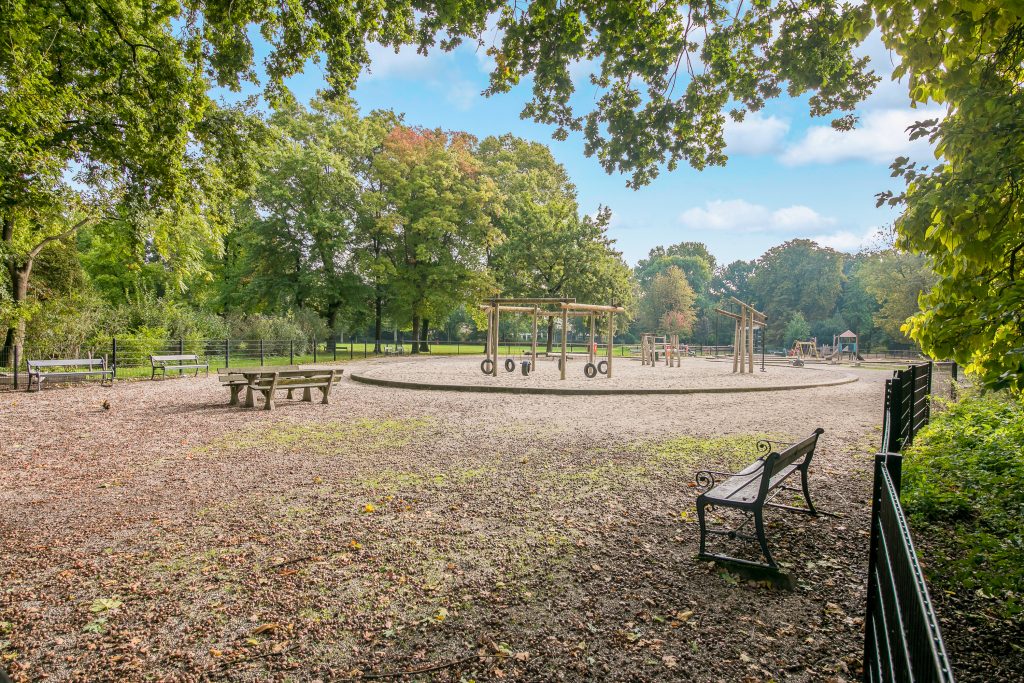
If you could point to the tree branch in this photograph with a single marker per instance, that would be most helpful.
(63, 235)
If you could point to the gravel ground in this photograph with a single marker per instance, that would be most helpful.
(695, 373)
(414, 535)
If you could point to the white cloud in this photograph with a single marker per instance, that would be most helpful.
(461, 94)
(405, 64)
(848, 241)
(880, 136)
(757, 134)
(739, 215)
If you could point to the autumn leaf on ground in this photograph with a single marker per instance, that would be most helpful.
(104, 604)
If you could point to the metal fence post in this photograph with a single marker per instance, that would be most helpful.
(892, 414)
(335, 347)
(113, 357)
(17, 362)
(261, 353)
(227, 353)
(291, 352)
(314, 349)
(181, 346)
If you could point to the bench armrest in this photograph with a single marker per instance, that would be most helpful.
(706, 479)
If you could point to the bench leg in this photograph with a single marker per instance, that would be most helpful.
(249, 402)
(268, 400)
(807, 492)
(326, 392)
(761, 538)
(235, 391)
(703, 528)
(307, 395)
(290, 394)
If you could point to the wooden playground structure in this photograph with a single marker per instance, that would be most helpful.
(655, 348)
(565, 308)
(845, 344)
(747, 320)
(805, 350)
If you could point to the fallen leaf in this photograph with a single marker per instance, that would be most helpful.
(264, 628)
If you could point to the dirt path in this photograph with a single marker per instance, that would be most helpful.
(480, 536)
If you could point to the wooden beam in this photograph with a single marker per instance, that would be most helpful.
(532, 300)
(596, 309)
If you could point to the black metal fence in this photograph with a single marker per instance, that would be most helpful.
(902, 640)
(128, 357)
(907, 406)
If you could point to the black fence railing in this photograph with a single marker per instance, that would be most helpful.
(902, 640)
(129, 356)
(907, 406)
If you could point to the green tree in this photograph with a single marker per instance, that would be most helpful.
(436, 229)
(797, 276)
(546, 248)
(897, 280)
(669, 302)
(104, 116)
(295, 250)
(796, 328)
(966, 213)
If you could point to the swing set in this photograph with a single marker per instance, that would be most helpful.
(563, 308)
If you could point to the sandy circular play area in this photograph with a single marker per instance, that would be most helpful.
(696, 375)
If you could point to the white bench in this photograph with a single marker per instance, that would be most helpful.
(66, 369)
(180, 362)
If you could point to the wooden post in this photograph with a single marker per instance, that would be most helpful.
(750, 346)
(736, 347)
(533, 350)
(497, 341)
(611, 342)
(591, 352)
(565, 325)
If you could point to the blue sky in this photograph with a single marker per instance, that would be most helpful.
(788, 176)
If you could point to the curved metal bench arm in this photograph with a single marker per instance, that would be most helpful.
(705, 479)
(765, 446)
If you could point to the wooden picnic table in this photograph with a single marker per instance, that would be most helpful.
(257, 378)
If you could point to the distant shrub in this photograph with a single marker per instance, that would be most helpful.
(963, 486)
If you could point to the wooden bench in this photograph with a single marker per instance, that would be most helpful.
(179, 362)
(68, 368)
(753, 489)
(234, 380)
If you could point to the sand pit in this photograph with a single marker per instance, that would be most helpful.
(696, 376)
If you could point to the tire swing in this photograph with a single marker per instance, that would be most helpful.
(487, 366)
(590, 370)
(602, 367)
(510, 365)
(526, 368)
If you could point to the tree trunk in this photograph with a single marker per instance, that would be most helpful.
(415, 334)
(551, 332)
(378, 305)
(424, 346)
(14, 339)
(332, 321)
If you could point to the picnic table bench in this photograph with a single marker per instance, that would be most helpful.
(67, 368)
(753, 489)
(267, 380)
(179, 362)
